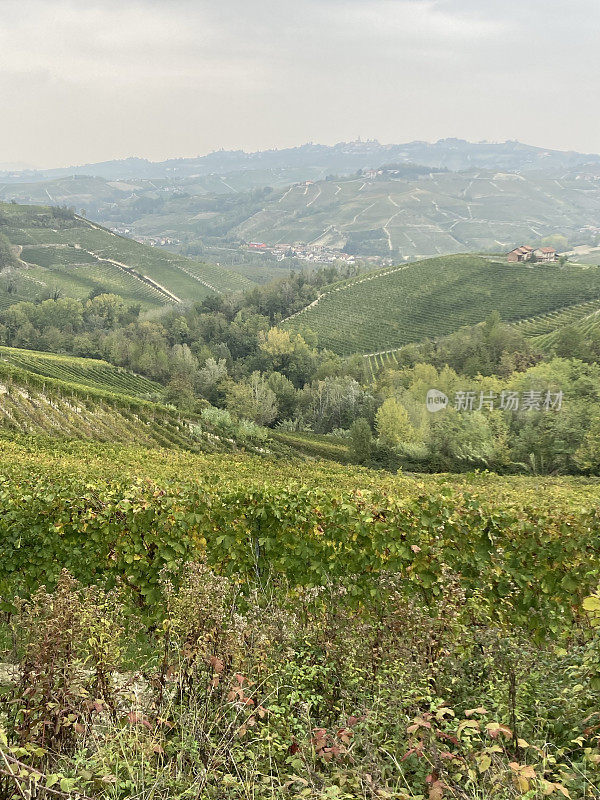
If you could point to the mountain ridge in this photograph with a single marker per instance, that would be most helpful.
(451, 152)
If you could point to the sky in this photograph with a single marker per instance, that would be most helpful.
(91, 81)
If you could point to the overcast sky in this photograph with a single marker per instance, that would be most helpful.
(102, 79)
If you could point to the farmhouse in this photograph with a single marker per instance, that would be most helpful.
(523, 253)
(545, 254)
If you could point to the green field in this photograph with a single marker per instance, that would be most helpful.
(387, 309)
(76, 257)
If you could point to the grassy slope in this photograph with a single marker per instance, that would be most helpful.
(393, 307)
(71, 256)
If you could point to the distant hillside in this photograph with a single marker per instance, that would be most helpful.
(398, 212)
(386, 309)
(56, 252)
(344, 157)
(443, 212)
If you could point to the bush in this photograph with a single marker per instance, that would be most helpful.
(220, 419)
(361, 441)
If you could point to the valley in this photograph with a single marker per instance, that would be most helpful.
(378, 204)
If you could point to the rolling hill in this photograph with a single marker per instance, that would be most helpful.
(398, 213)
(59, 252)
(387, 214)
(394, 212)
(389, 308)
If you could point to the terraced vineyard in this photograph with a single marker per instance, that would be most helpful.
(75, 257)
(88, 372)
(55, 410)
(548, 323)
(314, 445)
(543, 328)
(76, 273)
(78, 406)
(590, 324)
(389, 308)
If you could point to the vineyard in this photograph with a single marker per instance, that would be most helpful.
(543, 328)
(33, 404)
(403, 216)
(65, 398)
(220, 626)
(314, 445)
(387, 309)
(310, 523)
(76, 257)
(86, 372)
(588, 324)
(549, 323)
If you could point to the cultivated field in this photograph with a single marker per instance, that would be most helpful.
(386, 309)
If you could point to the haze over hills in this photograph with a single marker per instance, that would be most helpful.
(454, 154)
(392, 213)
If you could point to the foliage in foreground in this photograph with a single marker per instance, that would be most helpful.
(207, 629)
(133, 513)
(294, 694)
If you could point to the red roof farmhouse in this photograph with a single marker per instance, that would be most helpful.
(527, 253)
(523, 253)
(545, 254)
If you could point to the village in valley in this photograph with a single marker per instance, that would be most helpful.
(316, 254)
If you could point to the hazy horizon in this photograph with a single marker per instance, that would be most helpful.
(160, 80)
(22, 166)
